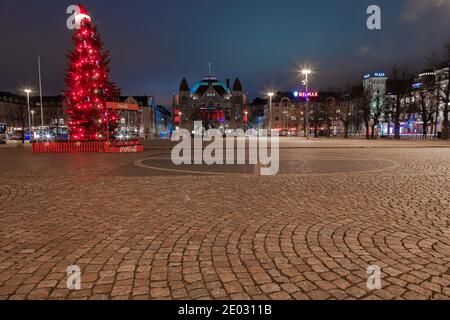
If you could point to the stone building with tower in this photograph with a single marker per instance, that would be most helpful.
(218, 105)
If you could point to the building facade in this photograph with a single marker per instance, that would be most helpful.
(213, 102)
(287, 113)
(14, 111)
(375, 86)
(290, 113)
(162, 121)
(154, 120)
(422, 108)
(443, 88)
(425, 104)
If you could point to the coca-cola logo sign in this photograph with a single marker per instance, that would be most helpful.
(129, 149)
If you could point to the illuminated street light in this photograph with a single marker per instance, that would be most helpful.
(180, 114)
(270, 95)
(32, 114)
(306, 73)
(28, 91)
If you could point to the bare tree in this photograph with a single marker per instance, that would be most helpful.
(356, 123)
(344, 114)
(441, 62)
(376, 112)
(444, 98)
(352, 112)
(363, 104)
(330, 107)
(424, 103)
(18, 113)
(316, 116)
(55, 114)
(399, 88)
(321, 116)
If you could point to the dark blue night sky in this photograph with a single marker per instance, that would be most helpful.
(155, 43)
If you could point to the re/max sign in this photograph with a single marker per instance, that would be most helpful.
(313, 94)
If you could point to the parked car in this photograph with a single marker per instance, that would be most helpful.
(2, 133)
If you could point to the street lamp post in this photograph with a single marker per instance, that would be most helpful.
(306, 73)
(28, 91)
(32, 120)
(246, 118)
(270, 94)
(40, 91)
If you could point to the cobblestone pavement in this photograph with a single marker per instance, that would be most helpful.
(309, 233)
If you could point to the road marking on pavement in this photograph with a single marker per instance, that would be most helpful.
(140, 164)
(256, 170)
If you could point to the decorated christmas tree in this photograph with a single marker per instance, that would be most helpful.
(88, 85)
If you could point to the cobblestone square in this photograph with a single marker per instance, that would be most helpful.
(140, 228)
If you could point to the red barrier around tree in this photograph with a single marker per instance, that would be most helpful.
(88, 147)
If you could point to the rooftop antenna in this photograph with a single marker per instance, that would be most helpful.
(209, 68)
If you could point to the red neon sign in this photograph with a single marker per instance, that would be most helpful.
(313, 94)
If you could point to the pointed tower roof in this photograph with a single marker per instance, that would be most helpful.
(237, 86)
(184, 86)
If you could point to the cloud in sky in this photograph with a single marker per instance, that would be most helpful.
(364, 50)
(415, 9)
